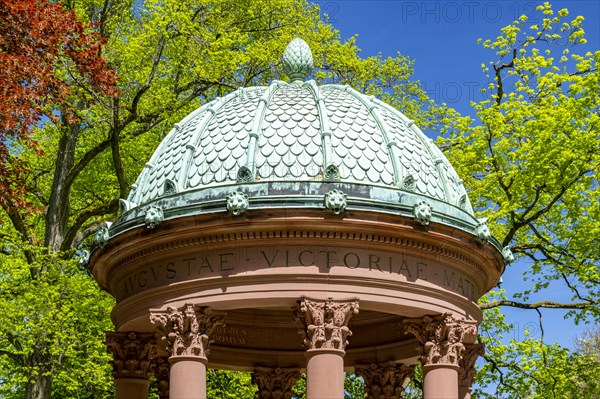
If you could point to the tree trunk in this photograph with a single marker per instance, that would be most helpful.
(57, 215)
(39, 387)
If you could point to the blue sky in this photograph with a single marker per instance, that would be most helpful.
(441, 36)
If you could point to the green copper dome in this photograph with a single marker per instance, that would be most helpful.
(287, 145)
(295, 132)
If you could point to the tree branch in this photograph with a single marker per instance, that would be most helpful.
(537, 305)
(72, 235)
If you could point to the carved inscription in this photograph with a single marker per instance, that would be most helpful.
(230, 335)
(243, 260)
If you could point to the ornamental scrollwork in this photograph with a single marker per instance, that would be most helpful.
(442, 337)
(132, 353)
(162, 371)
(384, 380)
(326, 322)
(467, 371)
(187, 330)
(275, 383)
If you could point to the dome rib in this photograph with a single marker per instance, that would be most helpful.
(305, 136)
(425, 141)
(330, 170)
(391, 145)
(190, 148)
(247, 172)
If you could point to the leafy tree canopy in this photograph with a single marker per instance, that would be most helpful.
(94, 132)
(530, 160)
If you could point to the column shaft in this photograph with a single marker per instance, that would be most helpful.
(131, 388)
(443, 338)
(185, 332)
(325, 374)
(132, 353)
(188, 377)
(326, 335)
(440, 382)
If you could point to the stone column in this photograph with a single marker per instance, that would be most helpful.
(442, 338)
(466, 372)
(384, 380)
(186, 332)
(162, 370)
(325, 338)
(275, 383)
(132, 366)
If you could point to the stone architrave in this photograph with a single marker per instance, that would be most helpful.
(275, 383)
(187, 331)
(132, 362)
(326, 335)
(384, 380)
(466, 372)
(162, 370)
(442, 338)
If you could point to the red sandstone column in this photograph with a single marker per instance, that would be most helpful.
(384, 380)
(131, 363)
(275, 383)
(442, 338)
(325, 338)
(466, 372)
(186, 332)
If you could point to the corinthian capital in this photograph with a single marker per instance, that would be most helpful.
(162, 370)
(326, 322)
(466, 373)
(442, 337)
(186, 330)
(275, 383)
(132, 353)
(384, 380)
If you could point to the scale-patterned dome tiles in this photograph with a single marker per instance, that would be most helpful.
(358, 145)
(415, 159)
(170, 161)
(224, 142)
(290, 140)
(368, 141)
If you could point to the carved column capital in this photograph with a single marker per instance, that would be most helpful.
(162, 373)
(132, 353)
(326, 322)
(466, 373)
(384, 380)
(443, 337)
(186, 330)
(275, 383)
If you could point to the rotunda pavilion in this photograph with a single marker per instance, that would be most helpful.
(291, 229)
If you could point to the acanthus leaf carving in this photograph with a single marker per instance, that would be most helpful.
(384, 380)
(162, 371)
(187, 329)
(326, 322)
(467, 371)
(442, 337)
(275, 383)
(132, 354)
